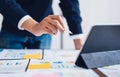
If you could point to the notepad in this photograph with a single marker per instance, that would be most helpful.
(39, 64)
(46, 75)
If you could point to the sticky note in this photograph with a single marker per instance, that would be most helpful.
(32, 56)
(41, 65)
(46, 75)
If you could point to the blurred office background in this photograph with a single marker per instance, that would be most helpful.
(93, 12)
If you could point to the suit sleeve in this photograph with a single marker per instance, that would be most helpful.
(71, 11)
(12, 11)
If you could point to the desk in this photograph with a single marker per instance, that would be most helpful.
(66, 69)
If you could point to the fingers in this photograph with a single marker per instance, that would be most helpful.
(58, 25)
(53, 29)
(49, 25)
(47, 31)
(57, 17)
(56, 21)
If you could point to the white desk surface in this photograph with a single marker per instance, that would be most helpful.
(66, 70)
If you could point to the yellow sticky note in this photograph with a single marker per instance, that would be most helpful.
(32, 56)
(41, 65)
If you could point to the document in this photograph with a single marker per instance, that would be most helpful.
(13, 65)
(20, 54)
(61, 55)
(46, 75)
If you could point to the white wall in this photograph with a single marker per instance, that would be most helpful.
(99, 12)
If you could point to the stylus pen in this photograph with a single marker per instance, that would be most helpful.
(69, 32)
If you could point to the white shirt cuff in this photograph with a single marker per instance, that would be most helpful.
(22, 20)
(77, 36)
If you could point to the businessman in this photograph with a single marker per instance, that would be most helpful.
(30, 23)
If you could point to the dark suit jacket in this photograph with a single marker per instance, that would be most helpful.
(14, 10)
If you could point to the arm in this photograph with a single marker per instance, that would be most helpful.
(14, 13)
(49, 25)
(71, 11)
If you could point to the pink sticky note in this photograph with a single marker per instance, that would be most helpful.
(46, 75)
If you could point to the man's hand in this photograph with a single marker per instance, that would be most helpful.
(78, 43)
(49, 25)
